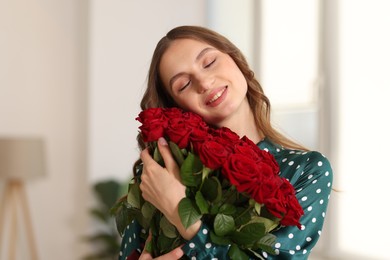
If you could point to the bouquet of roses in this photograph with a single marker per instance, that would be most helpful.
(232, 186)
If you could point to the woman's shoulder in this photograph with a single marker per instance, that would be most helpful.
(296, 163)
(312, 159)
(293, 156)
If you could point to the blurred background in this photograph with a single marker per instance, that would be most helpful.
(72, 73)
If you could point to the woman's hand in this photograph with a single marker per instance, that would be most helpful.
(174, 254)
(163, 188)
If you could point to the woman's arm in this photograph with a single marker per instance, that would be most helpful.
(313, 185)
(162, 187)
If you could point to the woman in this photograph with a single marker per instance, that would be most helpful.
(201, 71)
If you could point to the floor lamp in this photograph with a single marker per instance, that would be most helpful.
(21, 159)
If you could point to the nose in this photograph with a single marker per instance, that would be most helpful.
(205, 82)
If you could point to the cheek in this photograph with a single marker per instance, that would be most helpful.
(193, 105)
(237, 75)
(187, 102)
(241, 81)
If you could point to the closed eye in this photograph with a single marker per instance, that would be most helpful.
(185, 86)
(209, 64)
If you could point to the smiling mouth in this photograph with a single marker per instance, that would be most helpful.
(217, 95)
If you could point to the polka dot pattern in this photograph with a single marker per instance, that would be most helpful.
(313, 182)
(130, 240)
(311, 175)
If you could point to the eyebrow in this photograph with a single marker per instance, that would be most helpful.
(198, 57)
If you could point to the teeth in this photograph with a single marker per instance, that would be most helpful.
(217, 96)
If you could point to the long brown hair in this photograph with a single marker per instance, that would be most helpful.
(157, 96)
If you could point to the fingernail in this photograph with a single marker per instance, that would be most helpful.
(162, 141)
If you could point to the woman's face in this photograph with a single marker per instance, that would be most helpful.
(204, 80)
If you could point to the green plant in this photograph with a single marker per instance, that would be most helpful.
(105, 241)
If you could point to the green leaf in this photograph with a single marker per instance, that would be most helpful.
(257, 254)
(212, 189)
(154, 223)
(236, 253)
(214, 210)
(230, 195)
(242, 216)
(188, 212)
(134, 196)
(177, 153)
(190, 171)
(122, 219)
(224, 241)
(125, 215)
(258, 208)
(184, 152)
(202, 203)
(149, 246)
(249, 234)
(148, 210)
(227, 209)
(269, 224)
(157, 157)
(117, 205)
(165, 244)
(167, 228)
(223, 224)
(205, 172)
(267, 243)
(145, 223)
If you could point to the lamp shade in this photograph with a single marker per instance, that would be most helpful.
(21, 158)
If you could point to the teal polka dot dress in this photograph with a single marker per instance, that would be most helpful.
(311, 175)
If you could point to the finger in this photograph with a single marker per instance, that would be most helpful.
(174, 254)
(166, 154)
(145, 156)
(145, 255)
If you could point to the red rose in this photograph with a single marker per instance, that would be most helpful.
(293, 214)
(173, 112)
(250, 169)
(251, 149)
(198, 137)
(276, 204)
(267, 187)
(150, 114)
(212, 154)
(267, 184)
(227, 135)
(153, 124)
(294, 210)
(244, 173)
(178, 131)
(269, 159)
(181, 124)
(194, 120)
(284, 205)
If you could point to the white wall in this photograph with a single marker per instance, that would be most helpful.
(363, 143)
(123, 35)
(43, 93)
(85, 115)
